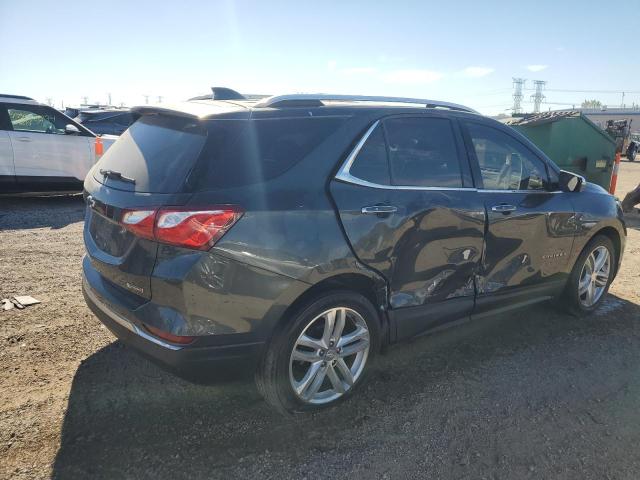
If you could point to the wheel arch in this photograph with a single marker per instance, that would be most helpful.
(613, 235)
(372, 288)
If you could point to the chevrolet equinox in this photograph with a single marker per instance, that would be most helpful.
(297, 235)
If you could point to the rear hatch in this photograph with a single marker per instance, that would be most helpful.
(183, 168)
(145, 168)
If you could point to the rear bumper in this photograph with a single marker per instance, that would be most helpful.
(193, 362)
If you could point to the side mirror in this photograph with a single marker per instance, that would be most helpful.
(570, 182)
(71, 130)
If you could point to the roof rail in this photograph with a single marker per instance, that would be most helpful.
(300, 98)
(21, 97)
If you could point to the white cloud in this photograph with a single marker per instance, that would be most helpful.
(332, 65)
(414, 76)
(476, 72)
(537, 68)
(359, 70)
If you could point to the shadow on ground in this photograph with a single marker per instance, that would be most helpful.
(632, 219)
(503, 396)
(54, 212)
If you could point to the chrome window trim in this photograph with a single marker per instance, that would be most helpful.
(345, 175)
(483, 190)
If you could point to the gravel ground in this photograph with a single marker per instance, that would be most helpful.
(536, 394)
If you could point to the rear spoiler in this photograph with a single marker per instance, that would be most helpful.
(191, 110)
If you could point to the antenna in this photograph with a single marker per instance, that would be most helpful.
(538, 97)
(518, 85)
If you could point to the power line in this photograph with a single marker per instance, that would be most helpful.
(592, 91)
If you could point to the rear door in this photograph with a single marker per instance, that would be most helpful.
(530, 222)
(42, 150)
(410, 211)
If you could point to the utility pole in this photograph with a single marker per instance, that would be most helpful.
(159, 98)
(146, 99)
(518, 85)
(622, 103)
(109, 98)
(49, 101)
(538, 97)
(85, 100)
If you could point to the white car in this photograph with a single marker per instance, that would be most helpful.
(43, 150)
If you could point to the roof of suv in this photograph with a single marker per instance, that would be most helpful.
(17, 99)
(207, 108)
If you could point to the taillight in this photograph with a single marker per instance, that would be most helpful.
(170, 337)
(194, 229)
(182, 226)
(140, 222)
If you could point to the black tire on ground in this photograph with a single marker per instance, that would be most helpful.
(272, 375)
(570, 299)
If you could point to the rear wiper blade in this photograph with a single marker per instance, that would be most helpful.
(116, 176)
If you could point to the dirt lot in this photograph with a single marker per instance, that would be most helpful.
(537, 394)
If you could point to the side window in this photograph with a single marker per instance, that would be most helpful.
(506, 164)
(371, 162)
(422, 152)
(27, 118)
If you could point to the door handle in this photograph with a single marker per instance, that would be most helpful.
(375, 209)
(504, 208)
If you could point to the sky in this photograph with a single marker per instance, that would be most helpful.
(460, 51)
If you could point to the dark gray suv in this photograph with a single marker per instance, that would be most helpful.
(296, 236)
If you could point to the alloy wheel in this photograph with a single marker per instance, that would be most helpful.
(329, 355)
(594, 276)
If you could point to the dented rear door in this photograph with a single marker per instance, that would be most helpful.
(415, 218)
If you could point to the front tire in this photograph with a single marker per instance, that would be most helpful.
(322, 354)
(591, 276)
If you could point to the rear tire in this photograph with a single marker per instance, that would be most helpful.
(591, 277)
(321, 355)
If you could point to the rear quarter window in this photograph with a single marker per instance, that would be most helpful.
(244, 152)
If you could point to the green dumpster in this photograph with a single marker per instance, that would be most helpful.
(573, 142)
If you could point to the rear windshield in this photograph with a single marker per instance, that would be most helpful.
(157, 152)
(242, 152)
(167, 155)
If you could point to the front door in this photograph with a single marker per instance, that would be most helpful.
(42, 151)
(529, 222)
(410, 211)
